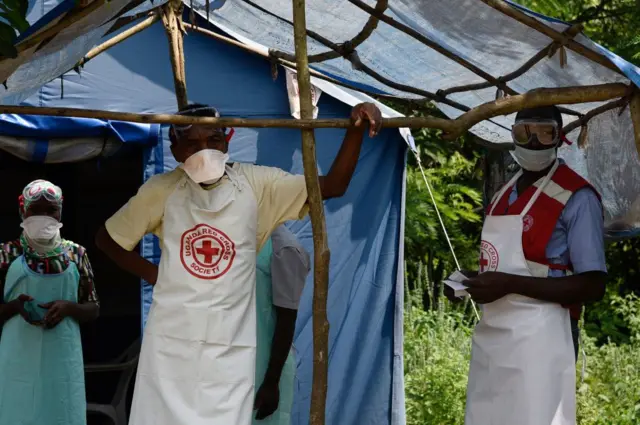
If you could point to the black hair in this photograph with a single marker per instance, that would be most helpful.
(543, 112)
(200, 110)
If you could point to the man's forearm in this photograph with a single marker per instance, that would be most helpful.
(130, 261)
(576, 289)
(84, 312)
(337, 180)
(281, 343)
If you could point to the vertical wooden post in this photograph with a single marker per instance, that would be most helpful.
(172, 20)
(634, 108)
(320, 246)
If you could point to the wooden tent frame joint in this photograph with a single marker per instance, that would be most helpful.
(172, 21)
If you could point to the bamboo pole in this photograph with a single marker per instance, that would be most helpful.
(618, 103)
(634, 109)
(452, 128)
(361, 37)
(316, 212)
(119, 38)
(171, 18)
(552, 47)
(417, 122)
(69, 19)
(533, 23)
(431, 44)
(284, 62)
(537, 98)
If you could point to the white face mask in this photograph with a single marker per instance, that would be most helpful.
(532, 160)
(206, 166)
(41, 228)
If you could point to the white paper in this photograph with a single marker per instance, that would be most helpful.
(294, 95)
(455, 282)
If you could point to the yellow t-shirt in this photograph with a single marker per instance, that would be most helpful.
(280, 197)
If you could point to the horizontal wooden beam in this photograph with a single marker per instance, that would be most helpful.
(451, 128)
(219, 122)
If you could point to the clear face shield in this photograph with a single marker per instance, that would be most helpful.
(545, 131)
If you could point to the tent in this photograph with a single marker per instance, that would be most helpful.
(453, 53)
(364, 227)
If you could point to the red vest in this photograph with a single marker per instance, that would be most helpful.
(539, 223)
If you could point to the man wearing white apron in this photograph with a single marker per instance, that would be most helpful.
(542, 251)
(197, 363)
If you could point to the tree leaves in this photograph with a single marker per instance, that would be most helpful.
(611, 23)
(13, 20)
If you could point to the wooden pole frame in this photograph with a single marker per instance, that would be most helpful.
(451, 128)
(321, 253)
(172, 20)
(119, 38)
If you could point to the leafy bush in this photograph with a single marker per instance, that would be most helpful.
(610, 393)
(437, 353)
(437, 350)
(12, 19)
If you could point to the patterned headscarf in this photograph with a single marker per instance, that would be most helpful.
(35, 191)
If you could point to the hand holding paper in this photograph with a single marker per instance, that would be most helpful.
(455, 282)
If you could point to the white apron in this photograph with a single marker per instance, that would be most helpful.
(197, 363)
(522, 363)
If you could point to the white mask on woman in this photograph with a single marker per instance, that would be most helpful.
(534, 160)
(206, 166)
(41, 228)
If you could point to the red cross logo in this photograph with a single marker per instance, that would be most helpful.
(484, 262)
(489, 258)
(527, 223)
(206, 252)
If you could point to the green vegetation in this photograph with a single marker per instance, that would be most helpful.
(12, 21)
(437, 352)
(438, 334)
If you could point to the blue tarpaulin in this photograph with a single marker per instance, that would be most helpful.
(364, 226)
(43, 127)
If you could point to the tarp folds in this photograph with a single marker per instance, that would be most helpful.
(488, 39)
(62, 139)
(59, 151)
(44, 127)
(36, 67)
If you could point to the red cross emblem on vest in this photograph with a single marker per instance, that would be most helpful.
(206, 252)
(489, 257)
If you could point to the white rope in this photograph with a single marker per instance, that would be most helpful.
(444, 229)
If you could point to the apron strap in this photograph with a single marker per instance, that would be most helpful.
(513, 181)
(544, 183)
(233, 176)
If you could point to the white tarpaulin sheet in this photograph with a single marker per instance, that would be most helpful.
(485, 37)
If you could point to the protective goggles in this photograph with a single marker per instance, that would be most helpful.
(546, 132)
(213, 112)
(42, 189)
